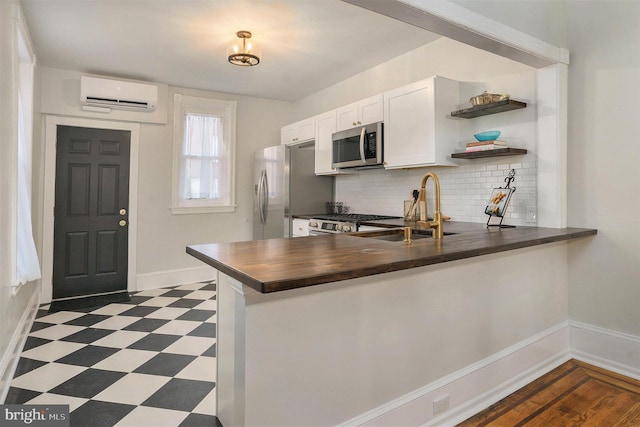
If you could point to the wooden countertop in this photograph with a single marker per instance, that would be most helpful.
(275, 265)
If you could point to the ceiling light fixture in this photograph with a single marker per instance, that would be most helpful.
(247, 54)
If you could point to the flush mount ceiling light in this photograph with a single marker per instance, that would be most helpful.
(244, 53)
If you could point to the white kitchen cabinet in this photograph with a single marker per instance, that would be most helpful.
(300, 227)
(298, 132)
(325, 127)
(418, 128)
(369, 110)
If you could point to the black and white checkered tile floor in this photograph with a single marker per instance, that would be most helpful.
(146, 362)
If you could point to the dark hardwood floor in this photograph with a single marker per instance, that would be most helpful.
(574, 394)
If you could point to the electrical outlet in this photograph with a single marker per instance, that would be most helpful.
(532, 214)
(440, 404)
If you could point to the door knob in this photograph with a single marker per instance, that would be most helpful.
(122, 223)
(123, 211)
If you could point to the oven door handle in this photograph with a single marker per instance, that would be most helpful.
(362, 145)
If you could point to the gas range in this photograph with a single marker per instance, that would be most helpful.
(341, 223)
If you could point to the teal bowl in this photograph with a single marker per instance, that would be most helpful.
(488, 135)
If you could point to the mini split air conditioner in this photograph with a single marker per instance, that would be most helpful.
(96, 92)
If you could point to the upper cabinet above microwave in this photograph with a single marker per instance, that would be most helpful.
(364, 112)
(419, 130)
(325, 127)
(302, 131)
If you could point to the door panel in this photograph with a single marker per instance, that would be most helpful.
(91, 205)
(77, 243)
(107, 256)
(79, 194)
(108, 189)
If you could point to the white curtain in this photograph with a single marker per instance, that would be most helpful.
(205, 159)
(28, 266)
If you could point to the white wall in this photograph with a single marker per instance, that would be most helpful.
(443, 57)
(603, 163)
(162, 237)
(13, 308)
(543, 19)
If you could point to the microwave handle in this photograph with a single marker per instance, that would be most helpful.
(362, 145)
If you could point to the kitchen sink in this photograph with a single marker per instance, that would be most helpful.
(393, 234)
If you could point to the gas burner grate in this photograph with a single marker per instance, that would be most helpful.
(352, 217)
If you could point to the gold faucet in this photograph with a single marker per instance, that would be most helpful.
(436, 223)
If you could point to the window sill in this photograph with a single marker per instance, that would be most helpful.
(191, 210)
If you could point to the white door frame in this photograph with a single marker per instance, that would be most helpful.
(51, 125)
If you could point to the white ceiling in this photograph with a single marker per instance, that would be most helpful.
(307, 45)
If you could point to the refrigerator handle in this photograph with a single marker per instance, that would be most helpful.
(362, 145)
(259, 197)
(264, 192)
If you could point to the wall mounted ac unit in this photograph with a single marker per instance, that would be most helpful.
(96, 92)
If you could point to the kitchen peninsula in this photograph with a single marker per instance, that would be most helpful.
(338, 329)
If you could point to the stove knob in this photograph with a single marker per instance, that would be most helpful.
(313, 224)
(346, 228)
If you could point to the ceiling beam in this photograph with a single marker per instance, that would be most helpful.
(458, 23)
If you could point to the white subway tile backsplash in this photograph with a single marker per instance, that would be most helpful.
(465, 189)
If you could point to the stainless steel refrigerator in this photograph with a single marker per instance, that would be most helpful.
(285, 185)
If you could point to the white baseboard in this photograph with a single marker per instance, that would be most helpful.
(484, 383)
(10, 358)
(611, 350)
(163, 279)
(476, 386)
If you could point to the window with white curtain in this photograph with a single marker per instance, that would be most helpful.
(204, 155)
(27, 263)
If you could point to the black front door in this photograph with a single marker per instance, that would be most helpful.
(91, 211)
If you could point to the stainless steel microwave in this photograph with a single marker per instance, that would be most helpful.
(358, 147)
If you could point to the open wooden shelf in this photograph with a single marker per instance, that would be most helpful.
(486, 109)
(489, 153)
